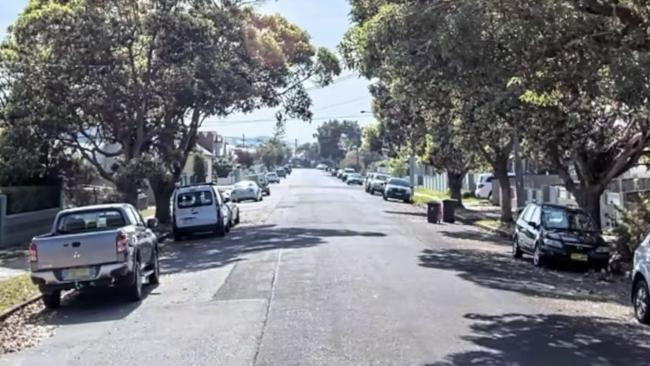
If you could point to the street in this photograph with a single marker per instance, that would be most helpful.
(324, 274)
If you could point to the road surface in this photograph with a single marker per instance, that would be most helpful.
(329, 275)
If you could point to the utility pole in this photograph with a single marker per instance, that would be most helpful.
(243, 138)
(519, 174)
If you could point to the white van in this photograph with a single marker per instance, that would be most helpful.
(199, 208)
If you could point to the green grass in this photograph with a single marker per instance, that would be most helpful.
(148, 212)
(423, 195)
(497, 225)
(15, 290)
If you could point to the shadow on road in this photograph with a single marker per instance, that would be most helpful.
(96, 305)
(469, 233)
(541, 339)
(205, 252)
(499, 271)
(406, 213)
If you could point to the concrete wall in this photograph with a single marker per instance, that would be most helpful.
(21, 228)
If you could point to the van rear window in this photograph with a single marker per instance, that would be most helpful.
(194, 199)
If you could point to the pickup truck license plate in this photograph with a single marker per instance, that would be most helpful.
(76, 273)
(579, 257)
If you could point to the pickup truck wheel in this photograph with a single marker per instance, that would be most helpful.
(134, 291)
(52, 300)
(237, 219)
(154, 278)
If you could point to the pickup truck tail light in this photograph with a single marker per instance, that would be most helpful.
(120, 242)
(33, 252)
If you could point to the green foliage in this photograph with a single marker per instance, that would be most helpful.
(245, 158)
(21, 199)
(335, 138)
(397, 167)
(15, 290)
(633, 227)
(199, 169)
(222, 167)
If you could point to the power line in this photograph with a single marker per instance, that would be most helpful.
(226, 123)
(341, 103)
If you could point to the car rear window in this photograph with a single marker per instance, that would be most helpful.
(194, 199)
(381, 177)
(89, 221)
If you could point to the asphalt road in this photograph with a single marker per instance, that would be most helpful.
(329, 275)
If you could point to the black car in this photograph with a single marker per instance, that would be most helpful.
(397, 188)
(281, 173)
(559, 233)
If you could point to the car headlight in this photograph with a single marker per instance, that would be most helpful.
(602, 249)
(553, 243)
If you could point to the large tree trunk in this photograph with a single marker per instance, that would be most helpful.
(588, 198)
(455, 183)
(501, 174)
(162, 191)
(128, 188)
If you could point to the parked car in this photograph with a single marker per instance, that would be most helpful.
(366, 181)
(288, 169)
(234, 210)
(261, 181)
(346, 172)
(640, 280)
(336, 172)
(354, 178)
(199, 208)
(245, 191)
(281, 172)
(321, 166)
(99, 246)
(484, 187)
(559, 233)
(378, 183)
(273, 177)
(397, 188)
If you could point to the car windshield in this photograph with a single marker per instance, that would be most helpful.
(399, 182)
(355, 175)
(88, 221)
(559, 218)
(382, 178)
(194, 199)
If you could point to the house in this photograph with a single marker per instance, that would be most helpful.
(200, 151)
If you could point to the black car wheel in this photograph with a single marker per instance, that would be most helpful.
(52, 300)
(516, 251)
(237, 218)
(134, 290)
(641, 301)
(154, 278)
(385, 198)
(538, 257)
(177, 236)
(221, 228)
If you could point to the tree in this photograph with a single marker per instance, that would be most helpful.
(133, 81)
(199, 169)
(222, 167)
(336, 137)
(245, 158)
(309, 152)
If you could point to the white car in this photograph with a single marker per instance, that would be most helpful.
(246, 190)
(321, 166)
(378, 183)
(273, 177)
(484, 187)
(199, 208)
(641, 279)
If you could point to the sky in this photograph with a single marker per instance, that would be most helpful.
(325, 21)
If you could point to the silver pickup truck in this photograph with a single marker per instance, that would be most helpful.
(103, 245)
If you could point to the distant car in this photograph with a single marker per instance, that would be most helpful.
(397, 188)
(346, 171)
(335, 172)
(288, 168)
(484, 187)
(100, 246)
(354, 178)
(321, 166)
(281, 173)
(640, 281)
(366, 181)
(199, 208)
(559, 233)
(378, 183)
(261, 181)
(273, 177)
(246, 191)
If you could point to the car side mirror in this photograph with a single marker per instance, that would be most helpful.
(152, 223)
(226, 199)
(533, 224)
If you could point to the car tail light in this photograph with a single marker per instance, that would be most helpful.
(33, 252)
(120, 242)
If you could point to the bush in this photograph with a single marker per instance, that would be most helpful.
(27, 198)
(632, 228)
